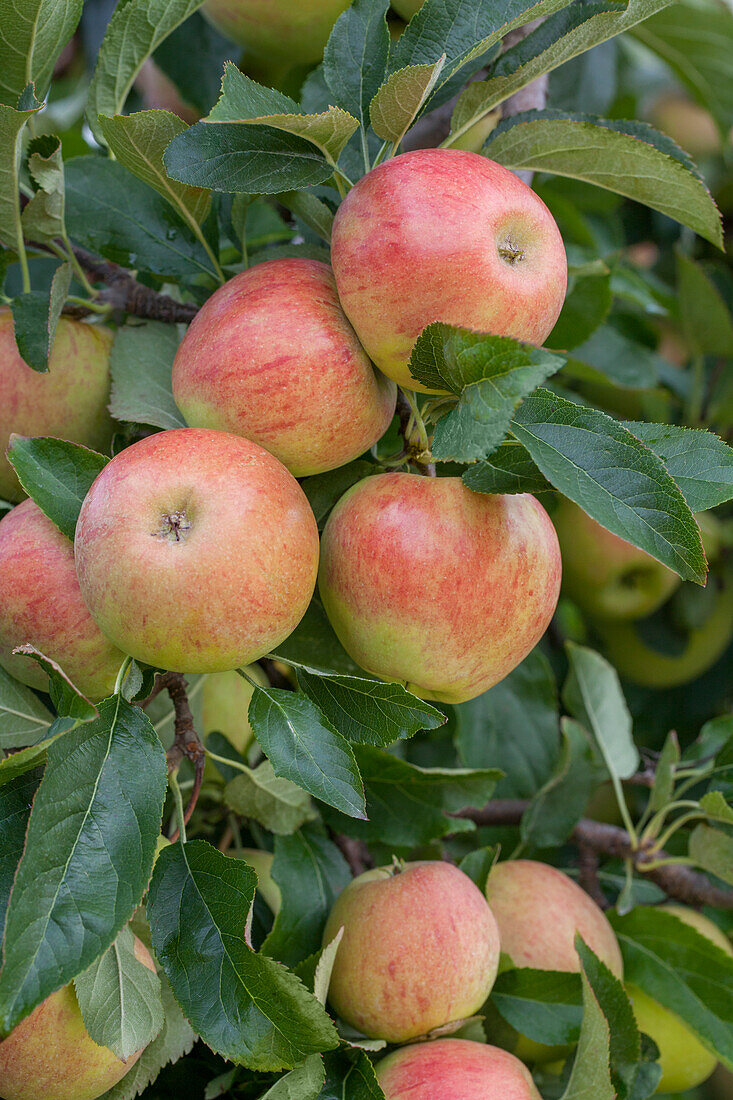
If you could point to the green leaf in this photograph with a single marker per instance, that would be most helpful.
(479, 864)
(35, 317)
(407, 805)
(401, 98)
(682, 970)
(303, 746)
(510, 469)
(312, 211)
(68, 701)
(311, 873)
(16, 799)
(43, 217)
(369, 712)
(328, 131)
(513, 726)
(138, 141)
(609, 355)
(34, 34)
(18, 763)
(544, 1005)
(175, 1039)
(629, 158)
(669, 758)
(24, 720)
(557, 808)
(119, 998)
(592, 693)
(302, 1083)
(113, 213)
(586, 307)
(89, 851)
(140, 364)
(590, 1078)
(325, 490)
(350, 1075)
(314, 645)
(712, 849)
(699, 461)
(706, 320)
(135, 30)
(279, 805)
(245, 1006)
(355, 58)
(56, 474)
(617, 480)
(12, 123)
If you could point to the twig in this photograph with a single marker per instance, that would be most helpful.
(122, 291)
(413, 451)
(355, 852)
(187, 742)
(588, 874)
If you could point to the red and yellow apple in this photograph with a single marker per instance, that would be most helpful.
(271, 357)
(445, 235)
(420, 949)
(69, 400)
(50, 1056)
(196, 551)
(429, 584)
(41, 604)
(291, 31)
(454, 1069)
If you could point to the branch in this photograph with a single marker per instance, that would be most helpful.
(122, 291)
(678, 882)
(355, 852)
(187, 742)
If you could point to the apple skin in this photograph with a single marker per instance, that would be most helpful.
(454, 1069)
(291, 31)
(68, 401)
(41, 603)
(604, 575)
(196, 551)
(225, 699)
(261, 862)
(271, 356)
(433, 586)
(420, 949)
(445, 235)
(687, 123)
(50, 1056)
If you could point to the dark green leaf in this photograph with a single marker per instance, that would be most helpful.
(192, 56)
(314, 645)
(68, 701)
(706, 320)
(355, 58)
(592, 693)
(586, 307)
(590, 1075)
(350, 1076)
(610, 356)
(24, 720)
(699, 461)
(140, 364)
(544, 1005)
(557, 808)
(57, 474)
(324, 490)
(35, 316)
(478, 865)
(509, 470)
(16, 799)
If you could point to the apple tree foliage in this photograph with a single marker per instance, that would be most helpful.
(626, 412)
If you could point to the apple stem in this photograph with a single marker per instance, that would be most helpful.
(178, 799)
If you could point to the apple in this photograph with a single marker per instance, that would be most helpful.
(454, 1069)
(687, 123)
(225, 699)
(50, 1056)
(69, 400)
(271, 356)
(604, 575)
(158, 91)
(407, 8)
(420, 949)
(429, 584)
(261, 862)
(445, 235)
(293, 32)
(196, 551)
(41, 604)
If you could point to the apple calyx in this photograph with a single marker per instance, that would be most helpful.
(172, 526)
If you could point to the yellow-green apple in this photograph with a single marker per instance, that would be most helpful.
(293, 32)
(445, 235)
(434, 586)
(196, 551)
(685, 1062)
(638, 661)
(539, 910)
(225, 699)
(407, 8)
(420, 949)
(50, 1055)
(604, 575)
(454, 1069)
(261, 862)
(272, 357)
(41, 604)
(687, 123)
(69, 400)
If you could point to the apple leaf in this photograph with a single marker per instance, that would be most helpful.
(682, 970)
(707, 322)
(311, 211)
(277, 804)
(119, 998)
(314, 645)
(592, 693)
(712, 849)
(585, 308)
(369, 712)
(663, 787)
(35, 317)
(401, 98)
(608, 355)
(56, 474)
(18, 763)
(89, 851)
(407, 805)
(68, 701)
(614, 477)
(325, 490)
(590, 1075)
(140, 364)
(350, 1075)
(630, 158)
(556, 809)
(311, 873)
(24, 720)
(245, 1006)
(12, 124)
(43, 217)
(33, 37)
(302, 1083)
(699, 461)
(303, 746)
(355, 58)
(544, 1005)
(16, 799)
(510, 469)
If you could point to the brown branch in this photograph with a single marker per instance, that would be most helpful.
(355, 852)
(588, 874)
(677, 881)
(122, 291)
(187, 742)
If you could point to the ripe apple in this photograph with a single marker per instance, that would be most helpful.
(687, 123)
(261, 862)
(50, 1056)
(445, 235)
(41, 604)
(604, 575)
(196, 551)
(225, 699)
(272, 357)
(69, 400)
(431, 585)
(685, 1062)
(454, 1069)
(290, 31)
(420, 949)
